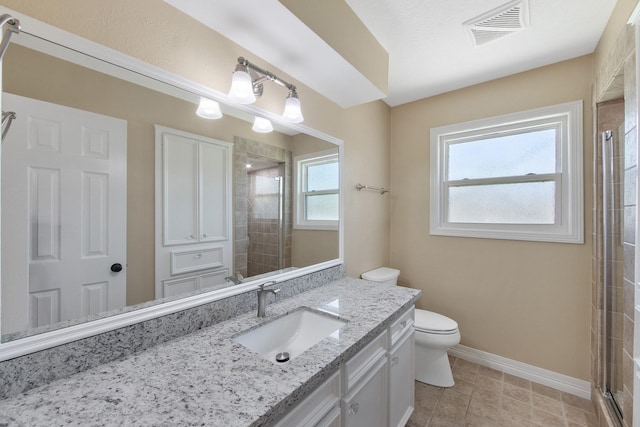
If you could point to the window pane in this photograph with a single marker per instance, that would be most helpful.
(511, 155)
(322, 176)
(519, 203)
(322, 207)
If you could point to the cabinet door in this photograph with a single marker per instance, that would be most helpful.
(180, 189)
(401, 380)
(319, 409)
(214, 163)
(366, 403)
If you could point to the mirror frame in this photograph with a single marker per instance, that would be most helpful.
(34, 343)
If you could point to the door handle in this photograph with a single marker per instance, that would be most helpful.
(116, 268)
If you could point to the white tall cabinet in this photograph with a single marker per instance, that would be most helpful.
(193, 212)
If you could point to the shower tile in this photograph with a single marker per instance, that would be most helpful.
(629, 224)
(630, 146)
(630, 176)
(628, 334)
(629, 261)
(628, 297)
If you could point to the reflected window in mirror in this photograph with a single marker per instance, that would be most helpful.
(317, 191)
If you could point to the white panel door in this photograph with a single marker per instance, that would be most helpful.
(63, 213)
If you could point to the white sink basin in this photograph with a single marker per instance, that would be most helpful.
(292, 334)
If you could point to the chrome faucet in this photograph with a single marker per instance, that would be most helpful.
(237, 279)
(262, 297)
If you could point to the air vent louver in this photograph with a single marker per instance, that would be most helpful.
(497, 23)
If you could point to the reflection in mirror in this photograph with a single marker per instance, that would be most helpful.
(117, 196)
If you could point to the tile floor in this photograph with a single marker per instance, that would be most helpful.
(486, 397)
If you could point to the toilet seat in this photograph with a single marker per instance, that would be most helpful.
(434, 323)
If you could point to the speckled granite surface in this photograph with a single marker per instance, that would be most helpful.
(206, 378)
(35, 369)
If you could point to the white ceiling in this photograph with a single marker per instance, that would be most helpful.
(431, 53)
(429, 50)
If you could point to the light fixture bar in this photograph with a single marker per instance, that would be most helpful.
(246, 87)
(265, 75)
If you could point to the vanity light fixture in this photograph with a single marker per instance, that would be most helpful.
(262, 125)
(208, 109)
(247, 86)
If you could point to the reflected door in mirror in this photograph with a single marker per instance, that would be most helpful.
(64, 188)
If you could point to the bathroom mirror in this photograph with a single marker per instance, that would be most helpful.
(88, 237)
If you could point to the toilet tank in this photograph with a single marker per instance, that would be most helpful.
(382, 275)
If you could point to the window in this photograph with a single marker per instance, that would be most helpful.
(517, 176)
(317, 195)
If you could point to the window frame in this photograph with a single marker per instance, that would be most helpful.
(301, 163)
(566, 118)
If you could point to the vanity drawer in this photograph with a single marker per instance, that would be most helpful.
(319, 408)
(401, 326)
(185, 261)
(362, 362)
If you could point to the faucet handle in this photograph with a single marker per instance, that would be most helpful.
(269, 283)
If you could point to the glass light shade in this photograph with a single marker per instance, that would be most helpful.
(242, 88)
(208, 109)
(261, 125)
(292, 111)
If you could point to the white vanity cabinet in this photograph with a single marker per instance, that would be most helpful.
(193, 212)
(401, 363)
(375, 388)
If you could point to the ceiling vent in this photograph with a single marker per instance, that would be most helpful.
(499, 22)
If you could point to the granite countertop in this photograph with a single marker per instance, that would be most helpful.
(206, 378)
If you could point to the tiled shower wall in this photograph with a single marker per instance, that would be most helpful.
(264, 221)
(243, 149)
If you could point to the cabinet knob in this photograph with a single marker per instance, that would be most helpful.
(191, 237)
(198, 256)
(204, 236)
(395, 360)
(353, 408)
(403, 324)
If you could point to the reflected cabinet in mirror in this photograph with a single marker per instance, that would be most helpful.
(117, 196)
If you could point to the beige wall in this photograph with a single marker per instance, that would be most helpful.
(527, 301)
(367, 153)
(155, 32)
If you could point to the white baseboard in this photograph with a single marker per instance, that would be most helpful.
(551, 379)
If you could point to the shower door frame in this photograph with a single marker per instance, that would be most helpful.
(609, 199)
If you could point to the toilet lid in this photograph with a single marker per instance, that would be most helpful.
(429, 321)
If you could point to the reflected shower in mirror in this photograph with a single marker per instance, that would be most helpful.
(117, 196)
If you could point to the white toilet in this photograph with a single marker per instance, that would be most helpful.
(434, 335)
